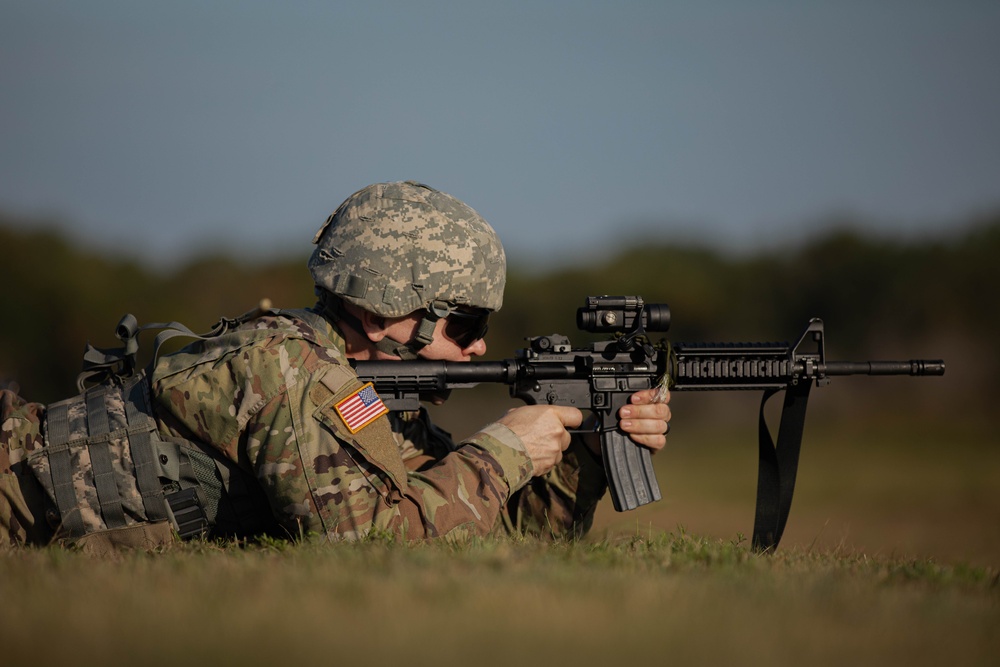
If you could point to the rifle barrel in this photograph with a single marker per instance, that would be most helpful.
(911, 367)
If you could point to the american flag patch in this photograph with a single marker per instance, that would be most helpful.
(361, 408)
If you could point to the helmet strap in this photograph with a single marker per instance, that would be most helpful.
(333, 308)
(408, 351)
(405, 351)
(425, 332)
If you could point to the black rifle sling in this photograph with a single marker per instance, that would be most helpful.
(777, 466)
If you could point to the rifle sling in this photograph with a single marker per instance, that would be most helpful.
(777, 465)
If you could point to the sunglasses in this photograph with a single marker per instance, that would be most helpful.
(466, 328)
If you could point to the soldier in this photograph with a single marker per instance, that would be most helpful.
(261, 427)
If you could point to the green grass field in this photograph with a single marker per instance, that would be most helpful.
(890, 557)
(672, 599)
(882, 490)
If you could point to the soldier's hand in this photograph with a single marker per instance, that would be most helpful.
(542, 429)
(646, 422)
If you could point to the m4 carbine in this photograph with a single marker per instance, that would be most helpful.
(602, 376)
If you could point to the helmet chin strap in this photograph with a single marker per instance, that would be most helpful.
(333, 308)
(407, 351)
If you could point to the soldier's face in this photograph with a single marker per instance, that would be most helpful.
(444, 348)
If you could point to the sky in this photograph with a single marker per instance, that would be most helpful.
(166, 129)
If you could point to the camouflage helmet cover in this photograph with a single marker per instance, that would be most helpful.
(395, 248)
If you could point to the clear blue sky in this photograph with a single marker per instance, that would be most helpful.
(162, 127)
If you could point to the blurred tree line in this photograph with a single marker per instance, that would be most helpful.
(880, 298)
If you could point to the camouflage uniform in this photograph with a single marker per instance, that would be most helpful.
(262, 397)
(22, 501)
(260, 404)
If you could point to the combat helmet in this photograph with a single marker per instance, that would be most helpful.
(397, 248)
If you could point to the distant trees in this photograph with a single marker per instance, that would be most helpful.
(874, 294)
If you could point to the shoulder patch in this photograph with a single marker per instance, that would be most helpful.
(370, 436)
(360, 408)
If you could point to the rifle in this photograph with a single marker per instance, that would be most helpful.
(602, 376)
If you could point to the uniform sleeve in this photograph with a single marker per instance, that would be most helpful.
(325, 480)
(558, 504)
(22, 500)
(561, 503)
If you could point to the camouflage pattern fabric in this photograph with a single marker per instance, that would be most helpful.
(264, 397)
(276, 398)
(81, 453)
(394, 248)
(560, 504)
(23, 508)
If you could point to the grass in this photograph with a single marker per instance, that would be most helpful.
(896, 490)
(672, 597)
(891, 557)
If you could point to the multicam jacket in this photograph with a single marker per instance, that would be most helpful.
(263, 401)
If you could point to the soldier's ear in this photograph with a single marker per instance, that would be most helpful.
(374, 326)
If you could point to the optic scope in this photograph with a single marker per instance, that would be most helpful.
(611, 314)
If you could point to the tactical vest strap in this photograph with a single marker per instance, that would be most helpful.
(100, 458)
(100, 364)
(61, 468)
(191, 488)
(139, 413)
(187, 512)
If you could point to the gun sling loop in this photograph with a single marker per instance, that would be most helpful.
(777, 464)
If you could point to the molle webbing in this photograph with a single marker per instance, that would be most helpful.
(100, 458)
(107, 470)
(108, 424)
(60, 482)
(104, 465)
(190, 485)
(140, 413)
(187, 512)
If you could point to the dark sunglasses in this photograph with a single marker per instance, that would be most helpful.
(463, 327)
(466, 328)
